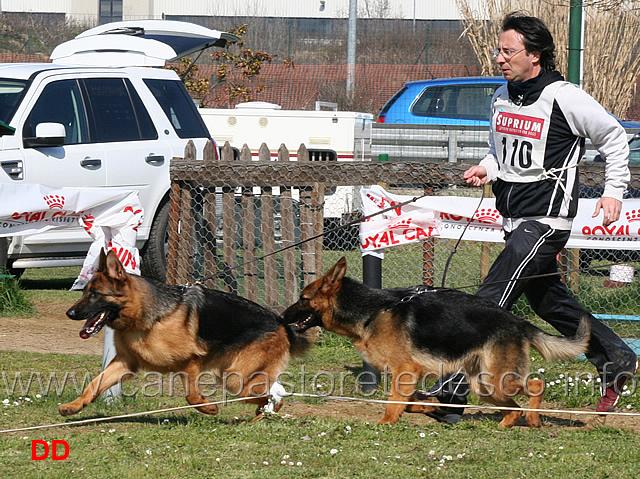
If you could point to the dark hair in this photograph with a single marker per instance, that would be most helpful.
(536, 35)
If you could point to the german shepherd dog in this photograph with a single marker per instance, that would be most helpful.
(187, 330)
(413, 332)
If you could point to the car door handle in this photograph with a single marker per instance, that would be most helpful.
(154, 159)
(91, 162)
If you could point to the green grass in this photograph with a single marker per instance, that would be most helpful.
(185, 444)
(13, 300)
(49, 285)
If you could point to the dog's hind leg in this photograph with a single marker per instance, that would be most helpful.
(189, 378)
(115, 371)
(509, 386)
(535, 391)
(499, 388)
(403, 388)
(415, 408)
(256, 392)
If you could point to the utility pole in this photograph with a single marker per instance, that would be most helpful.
(574, 74)
(351, 47)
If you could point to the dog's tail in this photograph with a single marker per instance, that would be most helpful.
(562, 347)
(299, 343)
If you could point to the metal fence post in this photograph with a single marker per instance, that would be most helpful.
(372, 271)
(453, 146)
(372, 277)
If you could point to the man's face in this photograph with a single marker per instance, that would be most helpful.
(515, 62)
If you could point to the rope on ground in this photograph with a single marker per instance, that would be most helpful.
(331, 398)
(124, 416)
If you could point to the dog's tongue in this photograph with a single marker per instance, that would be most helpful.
(92, 326)
(84, 334)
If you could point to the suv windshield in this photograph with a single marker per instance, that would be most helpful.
(11, 92)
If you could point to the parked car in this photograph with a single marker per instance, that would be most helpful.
(612, 255)
(461, 101)
(123, 122)
(444, 101)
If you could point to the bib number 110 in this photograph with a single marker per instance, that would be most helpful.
(519, 148)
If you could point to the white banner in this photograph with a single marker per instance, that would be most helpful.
(447, 217)
(110, 217)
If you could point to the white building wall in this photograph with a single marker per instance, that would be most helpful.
(39, 6)
(132, 9)
(407, 9)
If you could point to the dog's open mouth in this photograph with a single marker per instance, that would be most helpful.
(94, 325)
(305, 324)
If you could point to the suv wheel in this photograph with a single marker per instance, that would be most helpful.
(154, 253)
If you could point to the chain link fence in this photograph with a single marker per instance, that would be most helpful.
(263, 229)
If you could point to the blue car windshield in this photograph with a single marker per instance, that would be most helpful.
(634, 153)
(471, 102)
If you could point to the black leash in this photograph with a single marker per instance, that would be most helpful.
(324, 232)
(226, 270)
(455, 248)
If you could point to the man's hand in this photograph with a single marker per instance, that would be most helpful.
(475, 176)
(611, 209)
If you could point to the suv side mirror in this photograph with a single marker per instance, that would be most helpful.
(47, 134)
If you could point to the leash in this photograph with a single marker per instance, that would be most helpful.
(293, 245)
(390, 208)
(455, 248)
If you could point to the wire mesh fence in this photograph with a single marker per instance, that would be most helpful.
(264, 229)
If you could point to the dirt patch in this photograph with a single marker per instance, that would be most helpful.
(50, 331)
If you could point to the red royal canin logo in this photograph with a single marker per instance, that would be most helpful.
(487, 215)
(633, 215)
(54, 201)
(520, 125)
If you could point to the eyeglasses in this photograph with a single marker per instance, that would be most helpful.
(506, 54)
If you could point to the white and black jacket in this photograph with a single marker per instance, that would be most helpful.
(536, 141)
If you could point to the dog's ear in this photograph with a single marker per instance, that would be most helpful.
(114, 268)
(332, 281)
(102, 261)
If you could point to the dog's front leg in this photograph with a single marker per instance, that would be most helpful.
(107, 378)
(403, 387)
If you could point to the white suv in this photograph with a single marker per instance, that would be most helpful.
(99, 117)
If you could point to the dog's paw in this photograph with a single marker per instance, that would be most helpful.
(386, 420)
(210, 409)
(69, 409)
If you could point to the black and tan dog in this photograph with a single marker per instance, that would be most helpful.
(187, 330)
(415, 332)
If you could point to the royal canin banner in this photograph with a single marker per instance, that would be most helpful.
(448, 216)
(110, 218)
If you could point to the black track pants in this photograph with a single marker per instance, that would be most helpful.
(530, 250)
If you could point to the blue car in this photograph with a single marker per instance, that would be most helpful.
(461, 101)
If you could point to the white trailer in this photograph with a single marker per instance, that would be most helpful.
(329, 135)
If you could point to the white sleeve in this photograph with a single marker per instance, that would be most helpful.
(588, 119)
(490, 161)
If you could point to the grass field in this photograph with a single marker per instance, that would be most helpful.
(186, 444)
(311, 438)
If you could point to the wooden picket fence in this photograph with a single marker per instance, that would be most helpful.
(205, 195)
